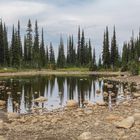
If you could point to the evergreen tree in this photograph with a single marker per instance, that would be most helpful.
(51, 55)
(61, 55)
(100, 62)
(19, 42)
(16, 52)
(25, 51)
(106, 53)
(6, 49)
(47, 56)
(1, 44)
(42, 51)
(71, 55)
(89, 52)
(83, 50)
(114, 51)
(93, 65)
(36, 52)
(79, 47)
(29, 44)
(125, 56)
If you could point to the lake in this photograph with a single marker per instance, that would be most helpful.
(19, 92)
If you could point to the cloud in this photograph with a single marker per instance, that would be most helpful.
(64, 16)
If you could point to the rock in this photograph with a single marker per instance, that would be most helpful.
(72, 103)
(1, 124)
(112, 117)
(109, 86)
(136, 95)
(88, 111)
(112, 94)
(105, 94)
(3, 115)
(101, 103)
(41, 99)
(85, 102)
(98, 91)
(2, 138)
(105, 84)
(90, 104)
(2, 103)
(125, 123)
(85, 136)
(126, 103)
(136, 116)
(12, 115)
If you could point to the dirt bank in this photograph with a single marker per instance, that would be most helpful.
(53, 72)
(94, 123)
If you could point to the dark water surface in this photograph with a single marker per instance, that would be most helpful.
(20, 92)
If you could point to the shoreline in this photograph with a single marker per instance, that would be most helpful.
(55, 72)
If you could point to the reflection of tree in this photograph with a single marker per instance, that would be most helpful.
(61, 82)
(71, 85)
(52, 82)
(83, 89)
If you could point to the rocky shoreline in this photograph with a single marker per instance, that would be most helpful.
(94, 122)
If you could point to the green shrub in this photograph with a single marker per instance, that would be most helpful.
(133, 67)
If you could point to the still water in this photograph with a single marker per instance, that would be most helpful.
(22, 91)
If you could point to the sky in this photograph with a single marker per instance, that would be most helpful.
(62, 17)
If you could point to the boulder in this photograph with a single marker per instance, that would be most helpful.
(136, 95)
(136, 116)
(85, 136)
(109, 86)
(41, 99)
(105, 94)
(125, 123)
(101, 103)
(98, 91)
(2, 103)
(72, 103)
(112, 118)
(13, 115)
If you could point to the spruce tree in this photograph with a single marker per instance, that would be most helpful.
(114, 51)
(106, 53)
(29, 44)
(89, 52)
(47, 56)
(51, 55)
(79, 47)
(83, 50)
(16, 52)
(6, 48)
(125, 56)
(36, 52)
(20, 43)
(42, 51)
(61, 55)
(1, 44)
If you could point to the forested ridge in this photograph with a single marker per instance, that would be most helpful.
(34, 53)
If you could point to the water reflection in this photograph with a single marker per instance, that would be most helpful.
(20, 92)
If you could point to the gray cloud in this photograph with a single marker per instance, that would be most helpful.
(64, 16)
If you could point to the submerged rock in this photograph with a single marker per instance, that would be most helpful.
(136, 95)
(72, 103)
(85, 136)
(41, 99)
(105, 94)
(125, 123)
(98, 91)
(2, 103)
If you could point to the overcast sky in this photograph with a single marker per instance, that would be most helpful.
(64, 16)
